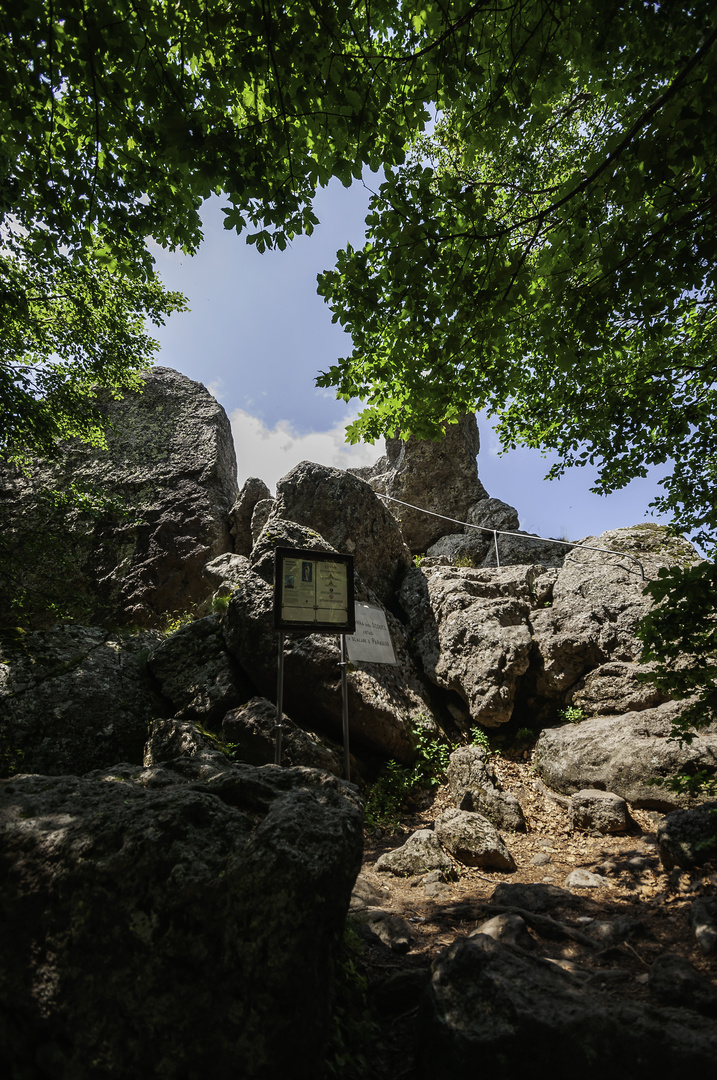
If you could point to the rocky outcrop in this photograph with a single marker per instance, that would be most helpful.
(494, 1009)
(249, 732)
(440, 476)
(72, 699)
(163, 488)
(158, 922)
(688, 838)
(472, 631)
(474, 786)
(347, 514)
(623, 754)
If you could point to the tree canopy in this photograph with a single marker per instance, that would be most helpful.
(118, 118)
(549, 251)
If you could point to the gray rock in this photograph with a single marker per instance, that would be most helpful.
(440, 476)
(508, 928)
(472, 632)
(157, 924)
(472, 840)
(169, 475)
(674, 981)
(532, 897)
(383, 700)
(584, 879)
(494, 1010)
(250, 731)
(262, 513)
(623, 754)
(172, 739)
(688, 838)
(458, 549)
(392, 930)
(474, 786)
(240, 516)
(222, 572)
(615, 687)
(196, 674)
(492, 514)
(703, 920)
(348, 515)
(421, 852)
(598, 811)
(72, 699)
(365, 894)
(597, 601)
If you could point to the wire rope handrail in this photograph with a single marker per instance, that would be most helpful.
(524, 536)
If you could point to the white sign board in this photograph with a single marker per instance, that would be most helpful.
(371, 641)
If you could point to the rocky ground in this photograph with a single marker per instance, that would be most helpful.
(609, 935)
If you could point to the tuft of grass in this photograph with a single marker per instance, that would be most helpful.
(388, 796)
(571, 715)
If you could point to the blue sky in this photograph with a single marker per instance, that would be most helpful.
(258, 334)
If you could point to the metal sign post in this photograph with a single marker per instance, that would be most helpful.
(345, 708)
(279, 701)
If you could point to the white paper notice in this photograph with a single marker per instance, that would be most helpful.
(371, 642)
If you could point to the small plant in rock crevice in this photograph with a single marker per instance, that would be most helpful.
(570, 715)
(387, 797)
(481, 740)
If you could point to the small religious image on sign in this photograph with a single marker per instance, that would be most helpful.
(313, 590)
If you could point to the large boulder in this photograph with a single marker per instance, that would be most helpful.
(439, 476)
(163, 488)
(472, 631)
(348, 515)
(155, 923)
(73, 698)
(597, 601)
(495, 1010)
(196, 675)
(624, 754)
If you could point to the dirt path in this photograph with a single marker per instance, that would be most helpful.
(636, 888)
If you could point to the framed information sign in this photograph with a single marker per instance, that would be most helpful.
(314, 590)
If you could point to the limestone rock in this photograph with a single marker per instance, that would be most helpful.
(197, 675)
(168, 476)
(472, 632)
(623, 754)
(584, 879)
(598, 811)
(597, 601)
(474, 786)
(492, 514)
(472, 840)
(262, 512)
(438, 476)
(159, 924)
(250, 730)
(615, 687)
(421, 852)
(72, 698)
(172, 739)
(382, 699)
(348, 515)
(459, 549)
(223, 571)
(240, 516)
(494, 1010)
(688, 838)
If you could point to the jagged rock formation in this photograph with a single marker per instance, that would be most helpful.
(158, 922)
(438, 476)
(168, 478)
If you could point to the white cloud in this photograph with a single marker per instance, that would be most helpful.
(271, 452)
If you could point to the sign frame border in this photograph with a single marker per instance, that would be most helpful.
(348, 626)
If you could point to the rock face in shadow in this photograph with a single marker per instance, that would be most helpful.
(172, 923)
(72, 698)
(493, 1010)
(168, 478)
